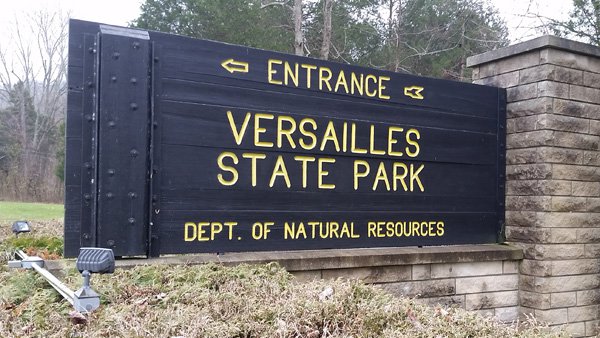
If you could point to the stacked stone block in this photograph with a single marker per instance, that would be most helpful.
(482, 278)
(552, 174)
(487, 287)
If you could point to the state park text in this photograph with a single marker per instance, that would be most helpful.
(331, 138)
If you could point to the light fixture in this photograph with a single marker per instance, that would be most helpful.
(20, 227)
(96, 260)
(91, 260)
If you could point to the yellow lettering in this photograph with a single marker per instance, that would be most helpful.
(334, 227)
(382, 88)
(415, 228)
(341, 81)
(230, 226)
(238, 135)
(357, 83)
(440, 228)
(345, 232)
(330, 135)
(322, 173)
(287, 132)
(201, 231)
(400, 177)
(186, 233)
(374, 80)
(308, 68)
(260, 130)
(289, 231)
(371, 229)
(272, 71)
(304, 160)
(253, 157)
(392, 140)
(311, 135)
(257, 230)
(381, 176)
(280, 170)
(380, 232)
(301, 231)
(413, 143)
(430, 231)
(354, 235)
(358, 174)
(215, 228)
(345, 137)
(372, 143)
(353, 147)
(414, 177)
(293, 75)
(232, 170)
(324, 79)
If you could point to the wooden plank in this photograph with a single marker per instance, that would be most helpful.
(188, 167)
(246, 235)
(211, 127)
(266, 200)
(123, 121)
(78, 157)
(181, 58)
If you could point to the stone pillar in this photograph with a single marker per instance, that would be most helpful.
(552, 174)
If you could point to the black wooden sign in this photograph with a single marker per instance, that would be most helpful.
(178, 145)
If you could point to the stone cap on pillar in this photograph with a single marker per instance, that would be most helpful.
(546, 41)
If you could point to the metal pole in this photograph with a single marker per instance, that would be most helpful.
(53, 281)
(56, 284)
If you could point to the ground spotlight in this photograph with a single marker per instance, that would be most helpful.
(91, 260)
(20, 227)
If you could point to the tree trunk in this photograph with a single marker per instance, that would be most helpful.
(25, 149)
(298, 35)
(325, 46)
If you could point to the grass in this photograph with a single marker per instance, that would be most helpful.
(242, 301)
(46, 236)
(14, 211)
(214, 301)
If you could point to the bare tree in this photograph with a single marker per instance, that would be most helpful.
(297, 16)
(298, 35)
(326, 44)
(33, 85)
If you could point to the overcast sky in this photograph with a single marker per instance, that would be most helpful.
(120, 12)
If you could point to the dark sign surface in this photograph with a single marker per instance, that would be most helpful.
(178, 145)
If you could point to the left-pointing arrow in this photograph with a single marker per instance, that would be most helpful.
(235, 66)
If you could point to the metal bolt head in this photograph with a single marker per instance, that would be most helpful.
(111, 172)
(131, 220)
(133, 153)
(116, 55)
(133, 106)
(133, 80)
